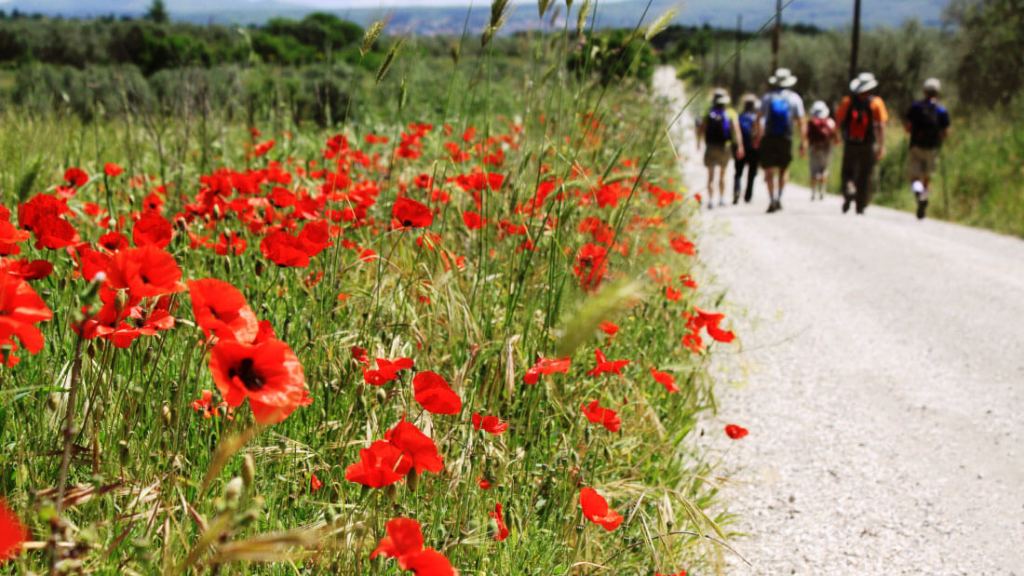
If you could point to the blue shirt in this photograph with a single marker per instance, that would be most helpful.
(928, 120)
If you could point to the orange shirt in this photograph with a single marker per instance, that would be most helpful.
(878, 110)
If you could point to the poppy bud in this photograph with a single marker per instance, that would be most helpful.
(389, 492)
(122, 452)
(382, 396)
(165, 413)
(233, 492)
(259, 268)
(53, 402)
(412, 479)
(248, 470)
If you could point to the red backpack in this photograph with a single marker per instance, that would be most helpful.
(858, 127)
(820, 131)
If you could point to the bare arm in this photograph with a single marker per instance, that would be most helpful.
(880, 138)
(737, 137)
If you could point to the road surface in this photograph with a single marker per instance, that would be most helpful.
(881, 376)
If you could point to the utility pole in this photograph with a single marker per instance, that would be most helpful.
(855, 41)
(776, 33)
(736, 63)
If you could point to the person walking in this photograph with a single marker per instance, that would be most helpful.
(927, 122)
(747, 122)
(781, 114)
(821, 135)
(862, 116)
(719, 128)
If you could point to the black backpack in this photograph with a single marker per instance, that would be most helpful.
(925, 127)
(717, 129)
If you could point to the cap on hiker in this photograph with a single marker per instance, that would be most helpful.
(783, 78)
(721, 100)
(863, 83)
(819, 109)
(932, 86)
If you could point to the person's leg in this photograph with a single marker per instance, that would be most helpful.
(782, 186)
(865, 168)
(847, 176)
(721, 184)
(711, 186)
(752, 164)
(738, 166)
(769, 179)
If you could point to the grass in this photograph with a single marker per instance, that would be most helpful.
(150, 484)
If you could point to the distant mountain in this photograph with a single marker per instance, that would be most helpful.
(419, 19)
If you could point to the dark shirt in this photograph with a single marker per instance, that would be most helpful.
(927, 119)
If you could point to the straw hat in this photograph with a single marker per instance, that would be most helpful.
(864, 82)
(783, 78)
(819, 109)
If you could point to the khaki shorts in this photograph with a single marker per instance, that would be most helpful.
(921, 162)
(821, 156)
(716, 155)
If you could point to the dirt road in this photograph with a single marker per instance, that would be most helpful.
(881, 375)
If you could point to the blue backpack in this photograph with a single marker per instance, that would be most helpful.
(747, 120)
(779, 122)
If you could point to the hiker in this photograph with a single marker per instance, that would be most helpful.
(861, 116)
(927, 122)
(747, 121)
(719, 128)
(781, 113)
(821, 135)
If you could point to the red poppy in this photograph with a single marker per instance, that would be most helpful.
(711, 322)
(43, 215)
(112, 170)
(378, 465)
(418, 449)
(605, 366)
(145, 272)
(735, 431)
(609, 328)
(267, 373)
(666, 380)
(680, 573)
(483, 483)
(12, 533)
(591, 266)
(230, 243)
(315, 237)
(113, 241)
(490, 424)
(409, 213)
(404, 537)
(683, 246)
(601, 415)
(314, 483)
(472, 220)
(404, 542)
(434, 394)
(546, 366)
(28, 269)
(499, 521)
(596, 509)
(221, 310)
(152, 229)
(75, 177)
(283, 249)
(387, 370)
(20, 310)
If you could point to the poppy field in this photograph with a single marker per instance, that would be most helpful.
(460, 334)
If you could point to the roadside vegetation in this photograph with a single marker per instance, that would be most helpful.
(443, 322)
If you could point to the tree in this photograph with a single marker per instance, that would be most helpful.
(991, 66)
(157, 12)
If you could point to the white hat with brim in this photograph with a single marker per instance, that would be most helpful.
(783, 78)
(721, 100)
(933, 85)
(819, 109)
(865, 82)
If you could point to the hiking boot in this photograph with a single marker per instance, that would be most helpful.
(736, 199)
(778, 204)
(771, 207)
(846, 204)
(922, 207)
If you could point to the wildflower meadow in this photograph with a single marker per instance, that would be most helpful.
(466, 330)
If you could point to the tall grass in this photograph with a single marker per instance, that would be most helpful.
(154, 487)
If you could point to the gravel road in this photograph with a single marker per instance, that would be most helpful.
(881, 374)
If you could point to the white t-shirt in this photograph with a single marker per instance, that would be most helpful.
(796, 104)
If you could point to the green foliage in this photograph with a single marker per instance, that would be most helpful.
(613, 56)
(157, 12)
(990, 49)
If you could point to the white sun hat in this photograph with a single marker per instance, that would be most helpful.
(933, 85)
(864, 82)
(819, 109)
(783, 78)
